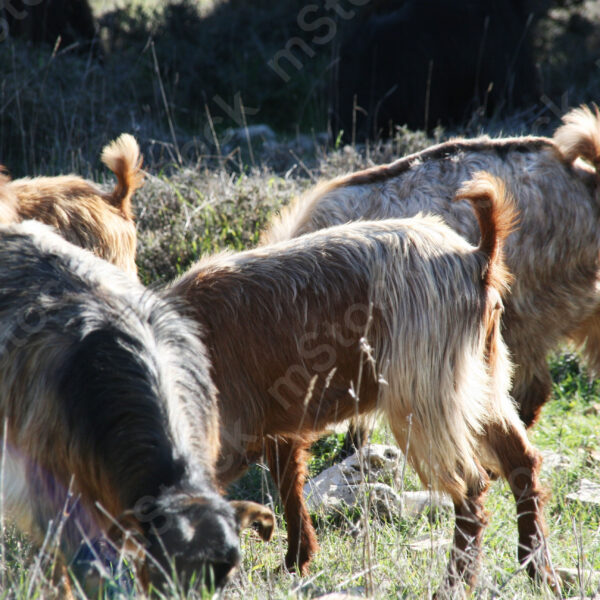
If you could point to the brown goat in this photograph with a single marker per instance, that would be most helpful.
(553, 255)
(84, 214)
(399, 315)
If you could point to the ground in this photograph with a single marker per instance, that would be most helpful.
(208, 189)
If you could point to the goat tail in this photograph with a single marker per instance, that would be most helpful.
(579, 135)
(122, 157)
(497, 217)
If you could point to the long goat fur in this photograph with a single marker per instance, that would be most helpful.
(107, 402)
(404, 312)
(553, 254)
(84, 214)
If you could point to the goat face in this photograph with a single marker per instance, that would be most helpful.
(195, 536)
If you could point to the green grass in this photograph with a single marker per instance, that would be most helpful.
(186, 212)
(574, 529)
(58, 110)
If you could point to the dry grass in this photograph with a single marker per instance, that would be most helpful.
(184, 212)
(58, 110)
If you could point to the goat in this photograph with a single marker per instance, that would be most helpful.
(84, 214)
(8, 202)
(110, 413)
(553, 255)
(400, 315)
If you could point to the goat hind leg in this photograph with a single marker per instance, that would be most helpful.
(520, 463)
(471, 519)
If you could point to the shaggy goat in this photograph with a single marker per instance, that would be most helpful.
(553, 255)
(82, 213)
(107, 401)
(400, 315)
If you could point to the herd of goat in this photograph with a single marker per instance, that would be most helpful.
(430, 290)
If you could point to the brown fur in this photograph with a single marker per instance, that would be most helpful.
(580, 135)
(292, 328)
(496, 222)
(83, 214)
(8, 201)
(250, 514)
(553, 254)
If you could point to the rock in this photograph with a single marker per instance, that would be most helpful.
(416, 503)
(594, 409)
(339, 596)
(554, 461)
(589, 493)
(257, 134)
(374, 462)
(574, 578)
(305, 144)
(427, 544)
(347, 485)
(381, 498)
(568, 575)
(307, 589)
(593, 458)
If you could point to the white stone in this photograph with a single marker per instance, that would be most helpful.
(338, 596)
(589, 493)
(359, 479)
(427, 544)
(554, 461)
(345, 484)
(416, 503)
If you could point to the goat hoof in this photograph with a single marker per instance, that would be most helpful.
(292, 565)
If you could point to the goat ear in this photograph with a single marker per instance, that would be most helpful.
(256, 515)
(125, 531)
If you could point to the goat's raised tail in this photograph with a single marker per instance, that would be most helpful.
(497, 217)
(122, 157)
(579, 135)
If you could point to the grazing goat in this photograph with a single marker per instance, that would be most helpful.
(82, 213)
(107, 401)
(553, 255)
(400, 315)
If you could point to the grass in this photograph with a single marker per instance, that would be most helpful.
(57, 110)
(398, 571)
(161, 69)
(184, 212)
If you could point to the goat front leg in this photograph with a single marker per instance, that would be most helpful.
(287, 461)
(357, 436)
